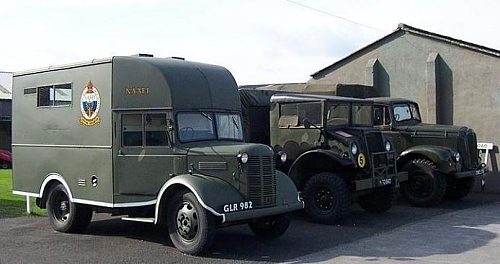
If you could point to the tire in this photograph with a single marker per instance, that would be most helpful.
(190, 227)
(326, 198)
(64, 215)
(380, 200)
(425, 186)
(458, 188)
(270, 227)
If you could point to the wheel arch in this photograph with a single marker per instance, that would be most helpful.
(313, 162)
(440, 156)
(51, 180)
(201, 186)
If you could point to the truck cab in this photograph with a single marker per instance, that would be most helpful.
(156, 140)
(441, 160)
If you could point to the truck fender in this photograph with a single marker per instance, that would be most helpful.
(308, 161)
(441, 156)
(212, 193)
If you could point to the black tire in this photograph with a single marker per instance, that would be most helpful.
(326, 198)
(64, 215)
(270, 227)
(425, 186)
(458, 188)
(380, 200)
(190, 227)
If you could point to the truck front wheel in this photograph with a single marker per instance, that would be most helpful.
(270, 227)
(326, 198)
(425, 186)
(64, 215)
(190, 227)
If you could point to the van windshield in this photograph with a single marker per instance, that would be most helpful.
(204, 125)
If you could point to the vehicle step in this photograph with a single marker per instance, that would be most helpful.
(139, 219)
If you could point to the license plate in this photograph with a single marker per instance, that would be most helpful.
(384, 182)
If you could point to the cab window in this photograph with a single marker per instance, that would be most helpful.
(145, 129)
(294, 114)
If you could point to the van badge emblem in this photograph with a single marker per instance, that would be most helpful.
(90, 103)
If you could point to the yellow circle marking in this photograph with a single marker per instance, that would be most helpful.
(361, 160)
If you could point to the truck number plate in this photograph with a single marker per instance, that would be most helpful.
(235, 207)
(384, 182)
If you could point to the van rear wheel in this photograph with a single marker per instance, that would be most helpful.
(64, 215)
(191, 228)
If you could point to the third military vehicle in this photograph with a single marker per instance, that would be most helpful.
(441, 160)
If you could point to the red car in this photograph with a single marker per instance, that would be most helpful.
(5, 159)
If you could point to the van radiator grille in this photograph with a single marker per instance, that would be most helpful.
(262, 181)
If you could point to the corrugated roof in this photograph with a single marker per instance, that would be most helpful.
(403, 28)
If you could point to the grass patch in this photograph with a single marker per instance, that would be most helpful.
(14, 205)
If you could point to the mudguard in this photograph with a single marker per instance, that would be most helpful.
(443, 157)
(312, 157)
(223, 200)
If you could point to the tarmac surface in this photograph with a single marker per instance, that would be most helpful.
(464, 236)
(465, 231)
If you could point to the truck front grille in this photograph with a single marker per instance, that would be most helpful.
(471, 153)
(262, 181)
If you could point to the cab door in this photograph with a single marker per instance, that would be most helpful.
(144, 158)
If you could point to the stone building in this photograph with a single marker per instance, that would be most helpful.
(454, 81)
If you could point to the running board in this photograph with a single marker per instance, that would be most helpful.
(139, 219)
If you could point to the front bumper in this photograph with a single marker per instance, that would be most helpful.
(472, 173)
(381, 181)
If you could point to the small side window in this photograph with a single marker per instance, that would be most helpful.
(54, 95)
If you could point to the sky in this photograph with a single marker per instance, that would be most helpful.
(259, 41)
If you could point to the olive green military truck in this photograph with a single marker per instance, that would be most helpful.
(442, 161)
(157, 140)
(334, 155)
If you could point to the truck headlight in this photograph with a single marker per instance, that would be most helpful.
(388, 146)
(243, 157)
(457, 157)
(354, 148)
(282, 156)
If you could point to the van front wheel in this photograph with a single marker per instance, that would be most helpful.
(190, 227)
(64, 215)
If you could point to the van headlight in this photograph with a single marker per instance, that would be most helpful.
(457, 157)
(242, 157)
(354, 148)
(388, 146)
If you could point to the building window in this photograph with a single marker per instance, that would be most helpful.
(55, 95)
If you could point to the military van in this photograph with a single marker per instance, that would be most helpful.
(155, 140)
(334, 155)
(442, 161)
